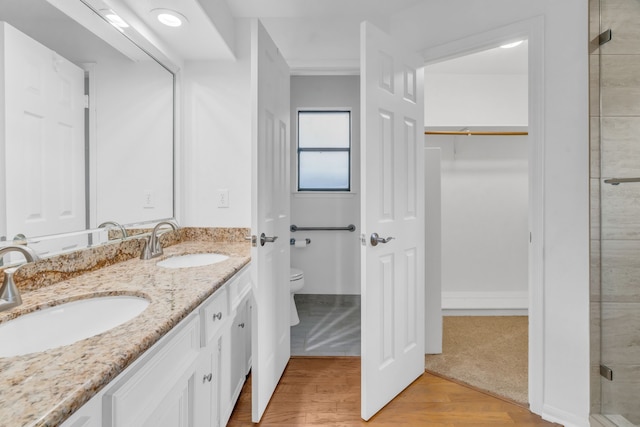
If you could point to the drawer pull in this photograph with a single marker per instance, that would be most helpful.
(241, 325)
(207, 378)
(217, 315)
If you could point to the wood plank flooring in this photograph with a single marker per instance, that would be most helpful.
(325, 391)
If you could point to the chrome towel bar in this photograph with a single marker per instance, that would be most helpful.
(616, 181)
(349, 227)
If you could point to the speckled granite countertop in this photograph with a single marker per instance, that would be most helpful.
(43, 389)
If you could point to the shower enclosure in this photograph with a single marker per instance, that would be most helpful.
(615, 195)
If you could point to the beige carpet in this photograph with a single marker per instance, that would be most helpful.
(487, 352)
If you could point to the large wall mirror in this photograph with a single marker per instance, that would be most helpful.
(86, 122)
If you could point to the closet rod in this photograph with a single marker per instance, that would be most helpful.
(469, 133)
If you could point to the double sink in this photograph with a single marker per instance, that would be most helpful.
(67, 323)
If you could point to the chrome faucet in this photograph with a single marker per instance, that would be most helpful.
(9, 294)
(152, 247)
(115, 224)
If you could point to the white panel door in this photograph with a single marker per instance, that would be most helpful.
(392, 266)
(270, 342)
(43, 139)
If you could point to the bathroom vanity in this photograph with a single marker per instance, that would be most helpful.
(182, 361)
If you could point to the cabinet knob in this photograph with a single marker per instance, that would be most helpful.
(207, 378)
(241, 325)
(217, 315)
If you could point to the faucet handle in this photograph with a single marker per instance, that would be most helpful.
(146, 249)
(9, 293)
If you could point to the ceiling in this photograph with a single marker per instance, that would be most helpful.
(362, 9)
(492, 61)
(312, 35)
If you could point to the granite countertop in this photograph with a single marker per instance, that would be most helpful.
(43, 389)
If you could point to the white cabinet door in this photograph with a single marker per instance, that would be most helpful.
(212, 401)
(247, 335)
(207, 385)
(239, 350)
(162, 388)
(269, 217)
(176, 410)
(392, 184)
(89, 415)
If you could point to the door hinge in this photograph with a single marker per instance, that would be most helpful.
(605, 37)
(86, 101)
(606, 372)
(530, 237)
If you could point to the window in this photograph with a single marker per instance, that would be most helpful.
(324, 150)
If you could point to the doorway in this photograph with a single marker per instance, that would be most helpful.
(476, 113)
(328, 303)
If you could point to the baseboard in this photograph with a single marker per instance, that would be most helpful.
(556, 415)
(485, 303)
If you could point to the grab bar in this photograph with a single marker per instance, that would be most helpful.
(616, 181)
(349, 227)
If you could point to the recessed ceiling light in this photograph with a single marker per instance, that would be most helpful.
(510, 45)
(169, 17)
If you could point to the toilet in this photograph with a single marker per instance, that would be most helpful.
(296, 282)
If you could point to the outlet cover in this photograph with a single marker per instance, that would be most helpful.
(223, 198)
(148, 200)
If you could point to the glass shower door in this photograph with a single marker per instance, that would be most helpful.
(619, 190)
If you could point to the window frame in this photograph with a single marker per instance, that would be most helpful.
(300, 150)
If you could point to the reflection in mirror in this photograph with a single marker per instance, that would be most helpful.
(88, 126)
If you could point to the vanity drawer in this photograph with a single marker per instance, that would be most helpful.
(214, 314)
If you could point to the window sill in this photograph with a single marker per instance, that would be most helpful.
(324, 194)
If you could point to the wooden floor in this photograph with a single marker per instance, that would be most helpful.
(326, 392)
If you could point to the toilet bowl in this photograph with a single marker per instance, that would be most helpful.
(296, 282)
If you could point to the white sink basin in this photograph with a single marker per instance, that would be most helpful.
(192, 260)
(66, 323)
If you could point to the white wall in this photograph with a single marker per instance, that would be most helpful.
(565, 294)
(476, 99)
(485, 190)
(217, 137)
(485, 230)
(331, 263)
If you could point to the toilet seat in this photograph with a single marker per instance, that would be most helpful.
(296, 283)
(295, 274)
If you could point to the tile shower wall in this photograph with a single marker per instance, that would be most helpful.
(619, 290)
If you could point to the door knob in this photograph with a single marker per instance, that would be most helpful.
(375, 239)
(264, 239)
